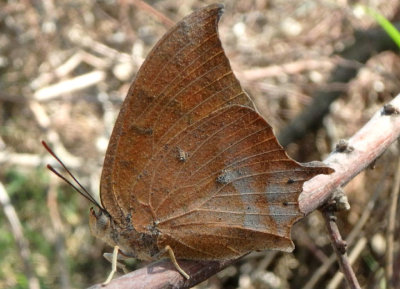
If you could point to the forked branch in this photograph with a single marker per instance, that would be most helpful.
(366, 145)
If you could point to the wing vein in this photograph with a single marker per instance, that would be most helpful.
(223, 151)
(163, 68)
(194, 152)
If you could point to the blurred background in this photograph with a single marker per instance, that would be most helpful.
(66, 66)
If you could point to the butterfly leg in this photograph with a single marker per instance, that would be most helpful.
(113, 266)
(109, 256)
(171, 254)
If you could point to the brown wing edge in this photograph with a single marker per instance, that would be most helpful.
(228, 248)
(314, 168)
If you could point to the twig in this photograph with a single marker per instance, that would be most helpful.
(340, 247)
(148, 8)
(52, 136)
(81, 38)
(16, 228)
(62, 70)
(69, 85)
(391, 227)
(294, 67)
(26, 160)
(351, 237)
(354, 254)
(369, 143)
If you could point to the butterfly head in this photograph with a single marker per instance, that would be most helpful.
(130, 242)
(101, 225)
(141, 245)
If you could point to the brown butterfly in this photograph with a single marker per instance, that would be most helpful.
(192, 170)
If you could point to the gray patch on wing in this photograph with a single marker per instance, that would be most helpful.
(251, 210)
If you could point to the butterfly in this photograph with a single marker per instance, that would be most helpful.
(192, 170)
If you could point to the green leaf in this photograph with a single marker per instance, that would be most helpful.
(385, 24)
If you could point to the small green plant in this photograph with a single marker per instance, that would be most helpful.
(390, 29)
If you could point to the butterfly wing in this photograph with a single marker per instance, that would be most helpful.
(190, 159)
(235, 192)
(184, 78)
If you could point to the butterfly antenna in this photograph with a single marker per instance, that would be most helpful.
(83, 191)
(88, 197)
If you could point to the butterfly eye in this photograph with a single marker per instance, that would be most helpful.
(102, 220)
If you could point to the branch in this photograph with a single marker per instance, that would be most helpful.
(355, 233)
(162, 274)
(340, 247)
(367, 144)
(355, 253)
(151, 10)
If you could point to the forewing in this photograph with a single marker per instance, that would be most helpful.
(184, 78)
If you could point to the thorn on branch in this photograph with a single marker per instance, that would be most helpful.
(341, 200)
(389, 109)
(343, 146)
(338, 202)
